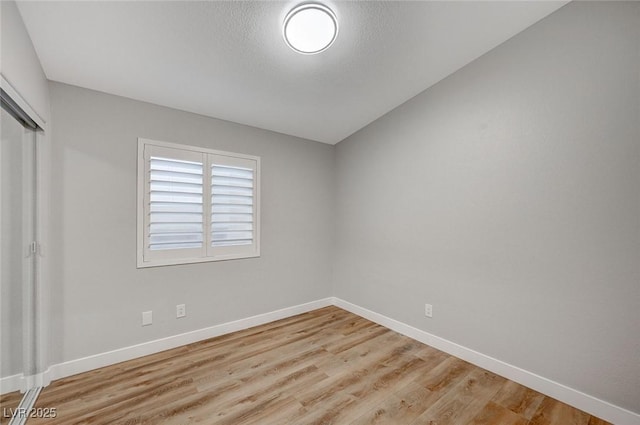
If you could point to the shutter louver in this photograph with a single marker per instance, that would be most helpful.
(232, 206)
(175, 204)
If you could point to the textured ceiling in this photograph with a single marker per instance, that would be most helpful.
(228, 59)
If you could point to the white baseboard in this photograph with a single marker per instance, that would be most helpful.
(12, 383)
(85, 364)
(594, 406)
(22, 382)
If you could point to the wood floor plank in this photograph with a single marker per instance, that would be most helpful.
(366, 367)
(430, 355)
(446, 374)
(348, 360)
(494, 414)
(344, 344)
(464, 401)
(329, 412)
(401, 407)
(258, 368)
(520, 400)
(554, 412)
(324, 367)
(373, 388)
(8, 403)
(260, 388)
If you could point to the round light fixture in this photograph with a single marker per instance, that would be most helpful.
(310, 28)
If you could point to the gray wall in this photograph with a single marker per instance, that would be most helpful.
(508, 196)
(19, 62)
(99, 294)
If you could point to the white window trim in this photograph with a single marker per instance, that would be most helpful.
(209, 255)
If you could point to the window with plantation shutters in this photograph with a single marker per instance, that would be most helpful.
(195, 204)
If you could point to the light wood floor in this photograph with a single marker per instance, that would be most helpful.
(323, 367)
(8, 402)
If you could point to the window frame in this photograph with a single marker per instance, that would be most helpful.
(207, 253)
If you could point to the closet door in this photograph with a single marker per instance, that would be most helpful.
(17, 250)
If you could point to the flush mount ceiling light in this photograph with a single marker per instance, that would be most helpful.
(310, 28)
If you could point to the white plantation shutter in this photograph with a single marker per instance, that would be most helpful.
(196, 205)
(174, 207)
(175, 204)
(233, 205)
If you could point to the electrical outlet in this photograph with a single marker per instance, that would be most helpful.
(147, 318)
(428, 310)
(181, 310)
